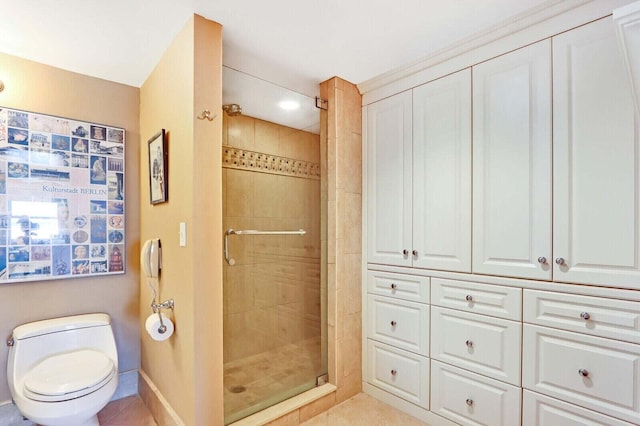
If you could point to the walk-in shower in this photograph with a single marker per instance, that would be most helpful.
(274, 292)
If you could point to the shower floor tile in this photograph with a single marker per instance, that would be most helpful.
(364, 410)
(259, 381)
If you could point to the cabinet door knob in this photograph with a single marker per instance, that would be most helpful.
(394, 372)
(469, 402)
(405, 252)
(542, 260)
(415, 253)
(393, 286)
(469, 343)
(585, 315)
(469, 298)
(393, 323)
(560, 261)
(583, 372)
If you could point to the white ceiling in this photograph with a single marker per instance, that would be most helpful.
(293, 43)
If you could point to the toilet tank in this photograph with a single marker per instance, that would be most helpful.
(35, 341)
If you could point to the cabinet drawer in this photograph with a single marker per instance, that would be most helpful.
(540, 410)
(615, 319)
(472, 399)
(592, 372)
(401, 373)
(408, 287)
(399, 323)
(485, 345)
(497, 301)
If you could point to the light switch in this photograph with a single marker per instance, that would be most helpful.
(183, 234)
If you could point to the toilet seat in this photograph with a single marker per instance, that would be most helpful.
(68, 376)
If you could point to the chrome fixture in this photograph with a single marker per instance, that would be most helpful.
(232, 109)
(232, 262)
(157, 307)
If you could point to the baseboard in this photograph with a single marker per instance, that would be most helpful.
(159, 407)
(127, 386)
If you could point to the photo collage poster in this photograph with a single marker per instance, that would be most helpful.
(61, 197)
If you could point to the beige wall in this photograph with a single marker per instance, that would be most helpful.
(187, 369)
(40, 88)
(341, 131)
(272, 293)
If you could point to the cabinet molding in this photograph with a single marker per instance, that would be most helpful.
(512, 163)
(596, 161)
(389, 180)
(442, 173)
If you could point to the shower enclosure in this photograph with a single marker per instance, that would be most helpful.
(274, 280)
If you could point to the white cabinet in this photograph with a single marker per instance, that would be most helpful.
(388, 134)
(397, 335)
(492, 300)
(442, 173)
(472, 399)
(512, 163)
(401, 373)
(540, 410)
(485, 345)
(596, 161)
(592, 372)
(419, 176)
(399, 323)
(614, 319)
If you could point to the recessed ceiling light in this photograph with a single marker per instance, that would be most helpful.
(289, 105)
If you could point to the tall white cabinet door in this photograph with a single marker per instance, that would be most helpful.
(512, 164)
(596, 161)
(389, 180)
(442, 173)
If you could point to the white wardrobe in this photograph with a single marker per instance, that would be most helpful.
(502, 234)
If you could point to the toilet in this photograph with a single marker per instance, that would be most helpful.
(63, 371)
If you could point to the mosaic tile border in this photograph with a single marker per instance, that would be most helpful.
(235, 158)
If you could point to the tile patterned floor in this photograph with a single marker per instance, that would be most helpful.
(363, 410)
(269, 377)
(129, 411)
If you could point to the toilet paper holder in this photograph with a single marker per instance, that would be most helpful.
(157, 307)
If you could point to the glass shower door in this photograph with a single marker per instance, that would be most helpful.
(274, 313)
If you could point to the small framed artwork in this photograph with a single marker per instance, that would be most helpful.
(158, 168)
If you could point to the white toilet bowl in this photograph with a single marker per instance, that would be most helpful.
(62, 371)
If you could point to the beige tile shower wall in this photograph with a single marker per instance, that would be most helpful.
(272, 293)
(342, 137)
(344, 187)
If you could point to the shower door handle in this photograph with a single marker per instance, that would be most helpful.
(230, 231)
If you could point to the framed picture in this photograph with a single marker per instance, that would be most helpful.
(158, 168)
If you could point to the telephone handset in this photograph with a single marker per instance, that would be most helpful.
(150, 258)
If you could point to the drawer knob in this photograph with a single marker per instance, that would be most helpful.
(469, 343)
(394, 372)
(583, 372)
(585, 315)
(469, 298)
(560, 261)
(469, 402)
(405, 252)
(542, 260)
(393, 323)
(393, 286)
(415, 253)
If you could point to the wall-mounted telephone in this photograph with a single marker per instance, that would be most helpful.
(150, 258)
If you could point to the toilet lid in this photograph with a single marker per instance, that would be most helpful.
(69, 375)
